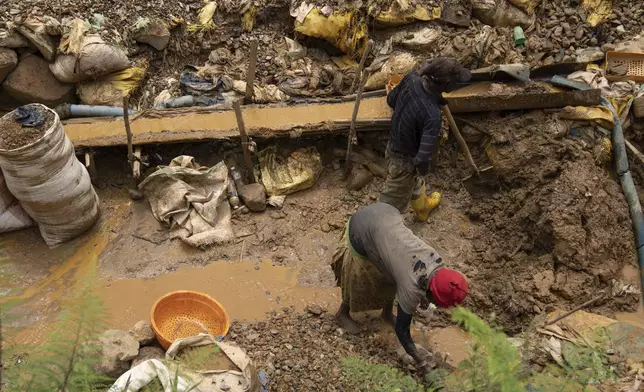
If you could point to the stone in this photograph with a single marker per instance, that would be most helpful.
(154, 33)
(143, 333)
(8, 61)
(315, 310)
(620, 29)
(32, 81)
(607, 47)
(580, 33)
(149, 352)
(589, 55)
(549, 60)
(359, 177)
(254, 196)
(116, 350)
(252, 337)
(557, 32)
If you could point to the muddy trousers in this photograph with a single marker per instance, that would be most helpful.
(400, 182)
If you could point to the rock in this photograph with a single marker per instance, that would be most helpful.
(8, 61)
(359, 177)
(254, 196)
(607, 47)
(315, 309)
(143, 333)
(252, 337)
(154, 33)
(117, 349)
(325, 227)
(549, 60)
(32, 81)
(589, 55)
(580, 33)
(145, 353)
(620, 29)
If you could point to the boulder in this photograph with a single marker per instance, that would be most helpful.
(254, 196)
(143, 333)
(116, 349)
(152, 32)
(8, 61)
(407, 359)
(145, 353)
(33, 82)
(359, 177)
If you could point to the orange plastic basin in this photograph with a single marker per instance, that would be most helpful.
(180, 314)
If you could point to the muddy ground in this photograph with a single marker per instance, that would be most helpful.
(552, 233)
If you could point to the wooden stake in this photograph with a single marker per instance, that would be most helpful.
(250, 74)
(585, 304)
(363, 60)
(128, 131)
(459, 138)
(244, 139)
(352, 127)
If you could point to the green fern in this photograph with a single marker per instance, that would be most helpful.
(494, 364)
(66, 362)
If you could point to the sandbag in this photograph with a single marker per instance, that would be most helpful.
(109, 90)
(52, 186)
(12, 216)
(500, 13)
(94, 59)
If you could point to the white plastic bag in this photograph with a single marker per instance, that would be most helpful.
(12, 216)
(52, 186)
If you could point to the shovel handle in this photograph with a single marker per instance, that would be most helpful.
(459, 138)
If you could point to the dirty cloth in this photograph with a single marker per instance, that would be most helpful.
(191, 199)
(214, 380)
(378, 233)
(401, 178)
(363, 286)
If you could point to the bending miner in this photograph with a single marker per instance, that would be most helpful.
(379, 259)
(415, 126)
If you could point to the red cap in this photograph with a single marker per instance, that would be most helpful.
(448, 287)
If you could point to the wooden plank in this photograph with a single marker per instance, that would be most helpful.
(196, 124)
(244, 140)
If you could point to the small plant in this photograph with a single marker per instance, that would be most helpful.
(362, 376)
(494, 364)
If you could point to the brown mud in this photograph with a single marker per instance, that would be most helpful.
(13, 135)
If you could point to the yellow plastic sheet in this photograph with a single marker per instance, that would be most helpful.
(394, 16)
(284, 174)
(598, 10)
(343, 29)
(600, 115)
(248, 19)
(205, 17)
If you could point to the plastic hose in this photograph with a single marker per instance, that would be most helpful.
(96, 111)
(628, 187)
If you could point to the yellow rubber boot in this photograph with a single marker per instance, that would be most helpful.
(423, 204)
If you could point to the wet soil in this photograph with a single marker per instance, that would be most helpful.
(13, 135)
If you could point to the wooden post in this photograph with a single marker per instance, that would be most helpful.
(250, 74)
(352, 127)
(460, 140)
(363, 60)
(244, 139)
(128, 131)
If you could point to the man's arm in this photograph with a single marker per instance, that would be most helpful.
(431, 130)
(403, 323)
